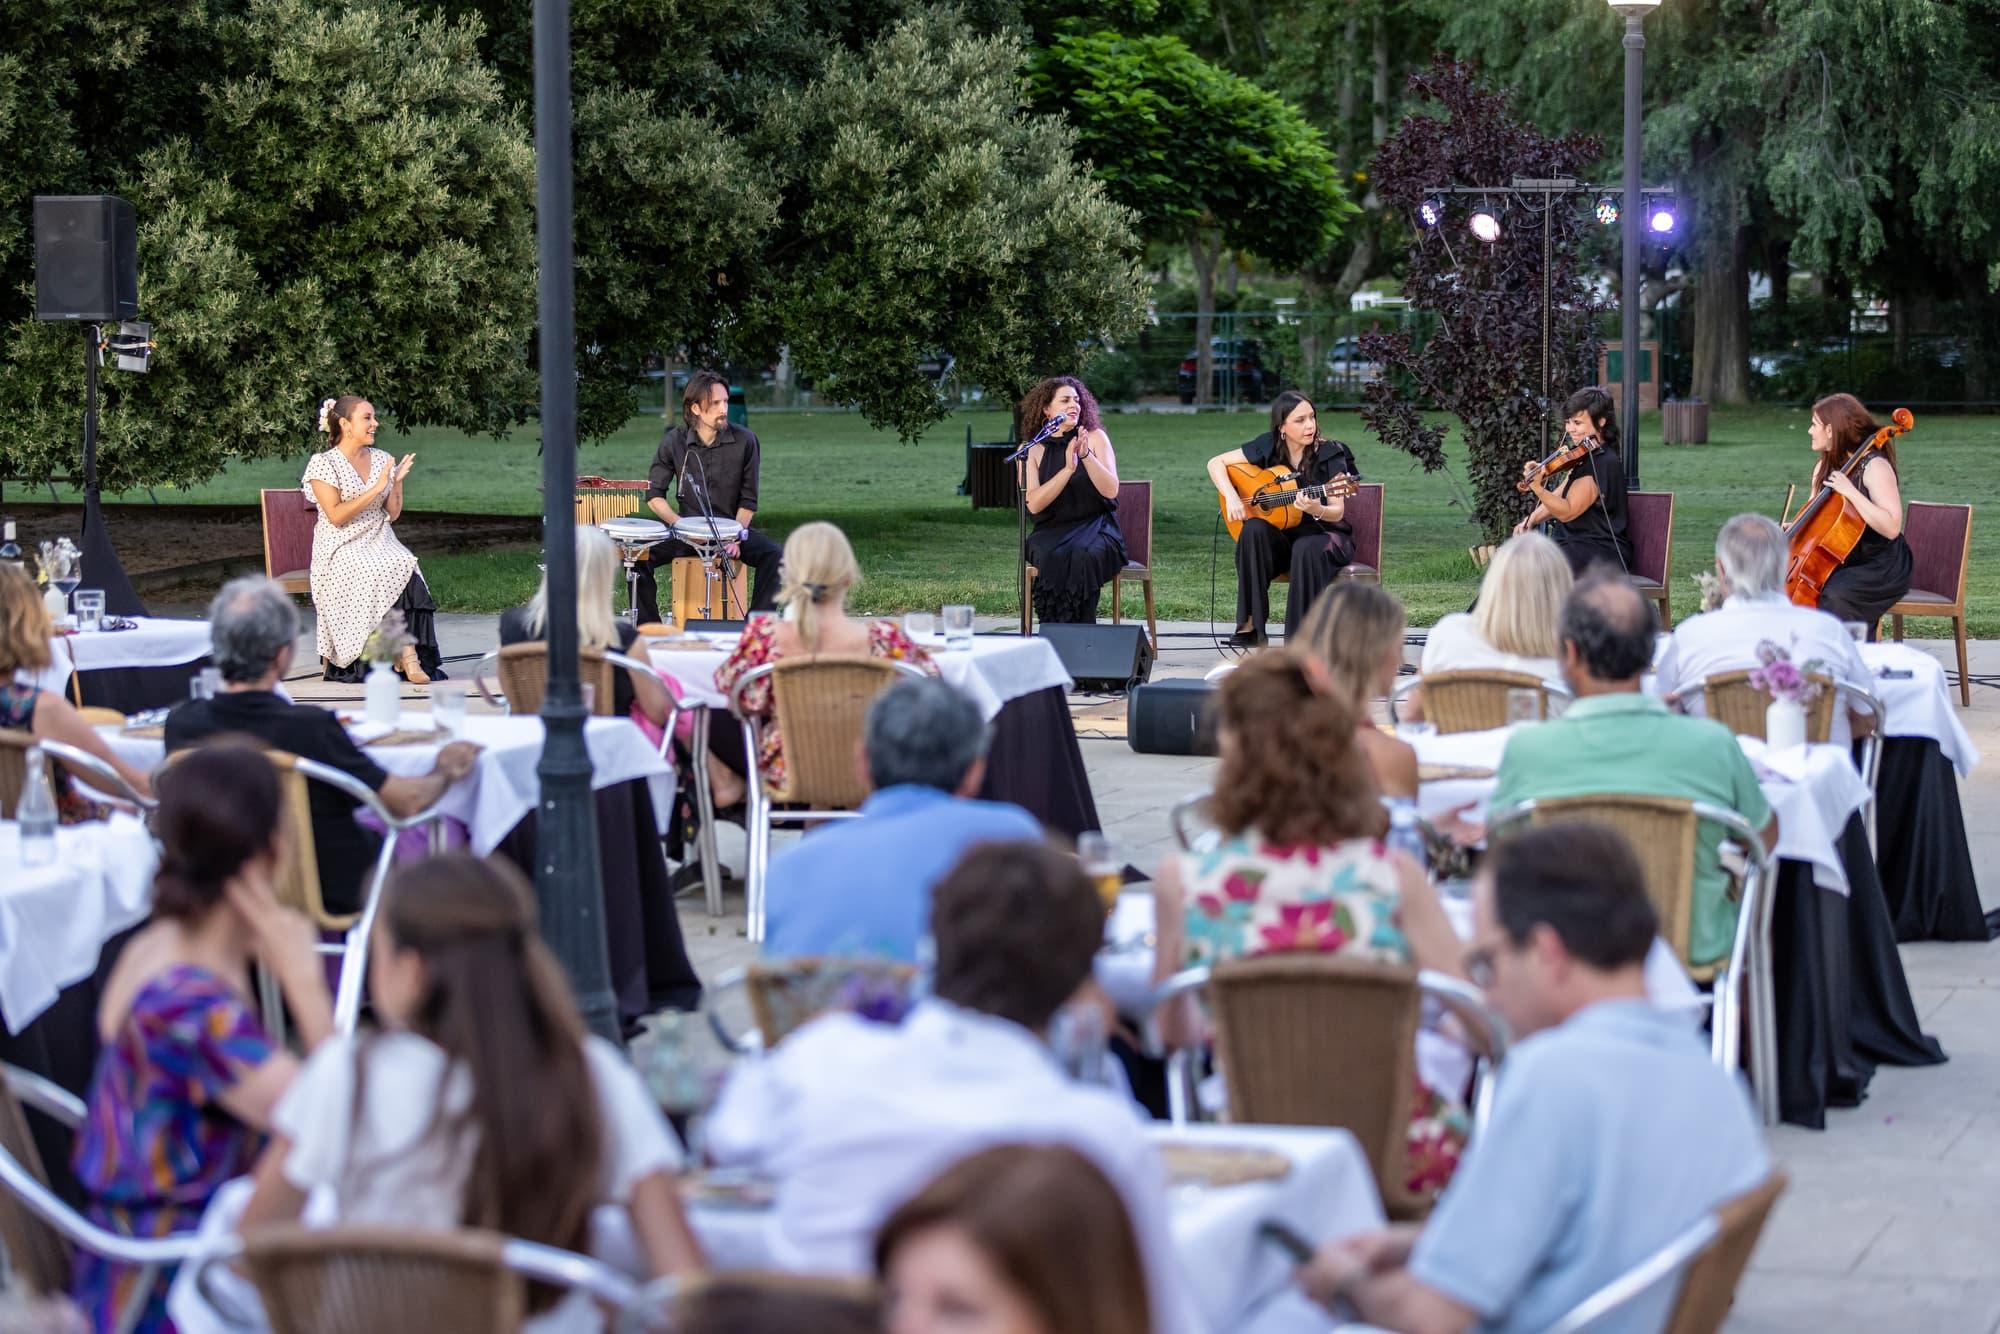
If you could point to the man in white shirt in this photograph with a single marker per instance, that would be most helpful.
(1750, 554)
(853, 1117)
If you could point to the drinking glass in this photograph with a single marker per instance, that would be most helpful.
(1857, 631)
(1524, 705)
(89, 609)
(1414, 732)
(589, 696)
(919, 624)
(204, 683)
(448, 708)
(958, 627)
(1100, 862)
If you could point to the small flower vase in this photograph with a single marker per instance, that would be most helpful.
(1784, 724)
(385, 694)
(57, 606)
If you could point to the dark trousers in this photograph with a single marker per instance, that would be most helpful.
(760, 553)
(1310, 554)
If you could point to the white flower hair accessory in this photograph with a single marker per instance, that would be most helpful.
(325, 410)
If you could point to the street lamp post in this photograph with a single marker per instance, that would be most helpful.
(567, 886)
(1635, 12)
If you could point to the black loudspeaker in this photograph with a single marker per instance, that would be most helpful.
(86, 258)
(1102, 658)
(1171, 718)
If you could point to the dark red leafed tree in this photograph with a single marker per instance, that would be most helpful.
(1482, 362)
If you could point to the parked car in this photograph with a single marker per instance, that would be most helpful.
(1238, 371)
(1347, 364)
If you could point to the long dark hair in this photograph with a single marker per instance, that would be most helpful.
(1034, 408)
(497, 1003)
(218, 811)
(1851, 424)
(696, 393)
(1050, 1223)
(1603, 411)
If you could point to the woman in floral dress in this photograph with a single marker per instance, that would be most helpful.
(1301, 867)
(360, 572)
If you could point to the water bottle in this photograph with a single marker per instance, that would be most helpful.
(37, 813)
(1406, 833)
(10, 550)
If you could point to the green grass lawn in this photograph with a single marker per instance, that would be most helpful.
(921, 544)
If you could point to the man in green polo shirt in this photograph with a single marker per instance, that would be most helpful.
(1618, 739)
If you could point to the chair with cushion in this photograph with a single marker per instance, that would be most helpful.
(288, 537)
(1475, 700)
(1649, 522)
(1135, 524)
(1364, 515)
(1320, 1040)
(1663, 832)
(818, 705)
(1708, 1259)
(1940, 538)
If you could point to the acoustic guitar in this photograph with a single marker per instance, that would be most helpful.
(1271, 494)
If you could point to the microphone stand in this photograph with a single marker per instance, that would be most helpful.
(721, 549)
(1017, 463)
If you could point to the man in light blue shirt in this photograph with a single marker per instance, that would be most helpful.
(863, 887)
(1612, 1132)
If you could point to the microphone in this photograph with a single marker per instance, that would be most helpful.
(1052, 427)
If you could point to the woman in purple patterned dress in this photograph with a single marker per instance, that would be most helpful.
(187, 1076)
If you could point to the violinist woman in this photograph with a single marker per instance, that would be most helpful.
(1585, 505)
(1876, 574)
(1314, 552)
(1072, 486)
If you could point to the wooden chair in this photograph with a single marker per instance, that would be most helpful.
(1663, 833)
(289, 519)
(1321, 1040)
(1730, 699)
(818, 705)
(78, 764)
(1708, 1258)
(1135, 523)
(1940, 538)
(785, 994)
(1475, 700)
(1649, 521)
(340, 1279)
(1364, 514)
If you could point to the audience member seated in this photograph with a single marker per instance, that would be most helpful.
(1302, 868)
(767, 1304)
(24, 651)
(1018, 1239)
(1750, 555)
(1353, 643)
(187, 1075)
(852, 1117)
(862, 887)
(483, 1102)
(1611, 1134)
(254, 624)
(818, 571)
(1512, 627)
(1617, 739)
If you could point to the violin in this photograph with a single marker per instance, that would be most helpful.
(1825, 532)
(1562, 460)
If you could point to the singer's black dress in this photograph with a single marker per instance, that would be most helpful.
(1075, 546)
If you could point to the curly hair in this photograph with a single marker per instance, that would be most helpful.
(24, 622)
(1035, 405)
(1291, 770)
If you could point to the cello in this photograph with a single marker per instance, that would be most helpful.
(1824, 534)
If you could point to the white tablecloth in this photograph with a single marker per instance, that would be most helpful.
(54, 920)
(502, 786)
(1919, 705)
(1230, 1272)
(156, 642)
(996, 669)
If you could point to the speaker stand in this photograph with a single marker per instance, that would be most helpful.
(101, 567)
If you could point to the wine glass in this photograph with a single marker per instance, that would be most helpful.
(64, 572)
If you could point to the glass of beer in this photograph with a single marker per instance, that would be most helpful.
(1101, 864)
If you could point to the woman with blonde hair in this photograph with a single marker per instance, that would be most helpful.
(1513, 626)
(1352, 641)
(45, 715)
(818, 571)
(597, 573)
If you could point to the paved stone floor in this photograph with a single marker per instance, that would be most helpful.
(1893, 1216)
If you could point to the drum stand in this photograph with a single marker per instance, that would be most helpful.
(629, 552)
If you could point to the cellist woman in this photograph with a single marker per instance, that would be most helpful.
(1876, 574)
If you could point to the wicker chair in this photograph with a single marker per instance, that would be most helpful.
(80, 764)
(523, 670)
(1321, 1040)
(1475, 700)
(1709, 1259)
(802, 1299)
(336, 1280)
(1730, 699)
(1663, 833)
(785, 994)
(818, 704)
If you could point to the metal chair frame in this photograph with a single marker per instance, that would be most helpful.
(1553, 691)
(94, 773)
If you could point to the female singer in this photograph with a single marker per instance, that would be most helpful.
(1585, 509)
(1312, 553)
(359, 570)
(1876, 574)
(1075, 546)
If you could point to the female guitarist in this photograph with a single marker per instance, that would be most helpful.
(1313, 551)
(1587, 503)
(1876, 574)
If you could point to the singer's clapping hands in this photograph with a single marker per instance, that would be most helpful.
(403, 468)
